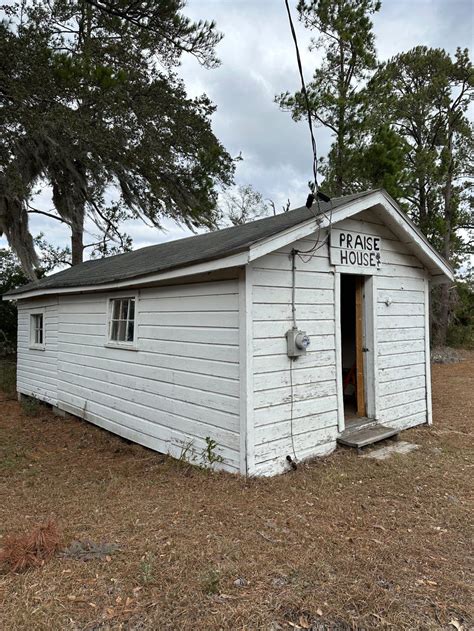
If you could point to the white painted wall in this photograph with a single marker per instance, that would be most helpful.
(314, 374)
(399, 344)
(37, 369)
(180, 385)
(399, 327)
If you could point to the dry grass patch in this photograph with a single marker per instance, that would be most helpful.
(25, 551)
(342, 543)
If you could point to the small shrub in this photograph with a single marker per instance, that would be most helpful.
(21, 552)
(30, 406)
(209, 455)
(147, 570)
(211, 582)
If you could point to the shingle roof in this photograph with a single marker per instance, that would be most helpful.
(179, 253)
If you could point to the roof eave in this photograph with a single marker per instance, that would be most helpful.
(234, 260)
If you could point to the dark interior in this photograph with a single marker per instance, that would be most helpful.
(348, 343)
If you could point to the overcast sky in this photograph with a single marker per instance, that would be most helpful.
(258, 61)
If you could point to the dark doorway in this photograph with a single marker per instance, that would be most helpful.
(352, 345)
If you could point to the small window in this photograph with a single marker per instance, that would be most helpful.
(37, 330)
(122, 321)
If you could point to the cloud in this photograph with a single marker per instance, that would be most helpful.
(258, 62)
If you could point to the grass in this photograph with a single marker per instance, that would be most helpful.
(342, 543)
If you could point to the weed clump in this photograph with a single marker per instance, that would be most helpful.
(30, 406)
(88, 550)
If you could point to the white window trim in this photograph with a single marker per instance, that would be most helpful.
(33, 345)
(131, 346)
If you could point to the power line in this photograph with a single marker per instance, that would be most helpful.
(308, 107)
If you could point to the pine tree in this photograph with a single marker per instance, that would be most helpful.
(345, 35)
(424, 95)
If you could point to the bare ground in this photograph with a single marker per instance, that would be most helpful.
(343, 543)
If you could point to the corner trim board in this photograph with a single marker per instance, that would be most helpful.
(429, 405)
(247, 430)
(337, 325)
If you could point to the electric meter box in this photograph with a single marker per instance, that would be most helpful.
(297, 342)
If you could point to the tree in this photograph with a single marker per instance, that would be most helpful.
(91, 106)
(423, 96)
(346, 37)
(11, 277)
(243, 204)
(381, 163)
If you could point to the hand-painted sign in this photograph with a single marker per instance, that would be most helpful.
(354, 249)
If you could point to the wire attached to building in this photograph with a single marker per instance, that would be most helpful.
(313, 196)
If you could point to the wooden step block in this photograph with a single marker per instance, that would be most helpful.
(364, 436)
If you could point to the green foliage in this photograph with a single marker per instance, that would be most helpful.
(461, 327)
(11, 277)
(422, 96)
(147, 569)
(382, 163)
(211, 582)
(210, 457)
(90, 103)
(8, 378)
(30, 406)
(345, 34)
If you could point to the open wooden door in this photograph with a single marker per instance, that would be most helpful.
(359, 346)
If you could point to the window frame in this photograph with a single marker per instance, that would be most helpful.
(109, 342)
(34, 345)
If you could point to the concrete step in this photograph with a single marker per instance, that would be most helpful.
(363, 436)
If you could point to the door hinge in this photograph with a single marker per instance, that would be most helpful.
(365, 350)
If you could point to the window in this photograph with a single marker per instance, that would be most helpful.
(37, 330)
(122, 321)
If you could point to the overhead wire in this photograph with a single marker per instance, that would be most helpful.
(315, 186)
(314, 196)
(306, 98)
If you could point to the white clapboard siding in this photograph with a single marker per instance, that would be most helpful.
(277, 346)
(37, 369)
(301, 425)
(299, 376)
(178, 387)
(400, 360)
(301, 392)
(399, 283)
(278, 328)
(400, 334)
(281, 278)
(271, 455)
(279, 363)
(301, 409)
(151, 361)
(403, 372)
(314, 380)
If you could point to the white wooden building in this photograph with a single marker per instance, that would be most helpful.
(184, 340)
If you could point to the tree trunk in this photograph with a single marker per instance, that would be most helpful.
(77, 243)
(339, 179)
(444, 307)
